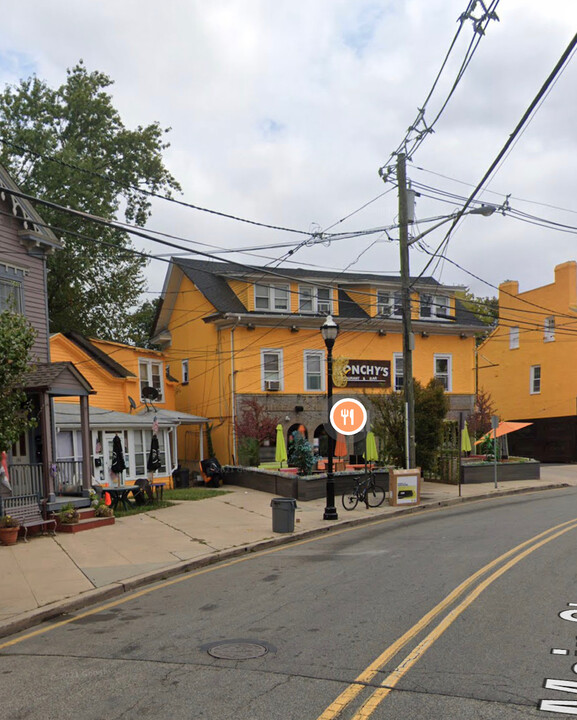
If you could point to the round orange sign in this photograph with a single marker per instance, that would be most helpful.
(348, 416)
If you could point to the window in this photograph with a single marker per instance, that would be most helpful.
(443, 371)
(398, 304)
(10, 295)
(513, 338)
(535, 385)
(151, 375)
(398, 371)
(432, 306)
(184, 372)
(142, 440)
(314, 375)
(271, 297)
(315, 300)
(549, 334)
(271, 364)
(384, 303)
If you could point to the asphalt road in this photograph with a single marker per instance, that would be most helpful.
(453, 613)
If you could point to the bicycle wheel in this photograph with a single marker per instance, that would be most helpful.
(375, 496)
(350, 499)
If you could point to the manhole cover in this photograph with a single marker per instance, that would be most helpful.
(237, 651)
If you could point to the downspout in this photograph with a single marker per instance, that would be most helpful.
(233, 389)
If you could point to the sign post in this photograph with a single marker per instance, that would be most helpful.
(494, 425)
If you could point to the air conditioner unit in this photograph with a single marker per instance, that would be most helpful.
(324, 308)
(271, 385)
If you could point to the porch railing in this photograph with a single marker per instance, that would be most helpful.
(26, 479)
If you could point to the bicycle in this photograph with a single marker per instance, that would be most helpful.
(366, 490)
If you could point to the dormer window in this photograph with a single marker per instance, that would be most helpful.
(434, 306)
(151, 375)
(389, 304)
(315, 300)
(271, 297)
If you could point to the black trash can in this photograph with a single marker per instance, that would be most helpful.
(181, 477)
(283, 514)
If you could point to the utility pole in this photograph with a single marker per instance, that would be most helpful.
(408, 337)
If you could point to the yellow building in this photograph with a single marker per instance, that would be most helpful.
(234, 333)
(526, 366)
(133, 388)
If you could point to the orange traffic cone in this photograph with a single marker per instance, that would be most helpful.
(107, 499)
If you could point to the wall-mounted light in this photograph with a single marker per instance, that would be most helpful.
(250, 326)
(382, 333)
(287, 418)
(463, 336)
(424, 334)
(299, 408)
(294, 328)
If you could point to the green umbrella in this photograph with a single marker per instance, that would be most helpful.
(465, 440)
(280, 455)
(371, 454)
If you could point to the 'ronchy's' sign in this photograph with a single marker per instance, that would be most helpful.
(360, 373)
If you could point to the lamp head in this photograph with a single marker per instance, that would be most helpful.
(329, 331)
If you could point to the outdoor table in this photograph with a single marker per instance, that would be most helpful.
(119, 494)
(158, 490)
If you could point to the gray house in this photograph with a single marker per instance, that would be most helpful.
(25, 243)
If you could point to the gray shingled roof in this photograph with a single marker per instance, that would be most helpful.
(211, 279)
(104, 360)
(51, 376)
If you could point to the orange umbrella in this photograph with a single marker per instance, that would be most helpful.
(341, 449)
(503, 428)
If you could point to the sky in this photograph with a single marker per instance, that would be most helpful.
(283, 111)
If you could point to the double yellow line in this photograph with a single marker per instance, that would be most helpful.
(363, 682)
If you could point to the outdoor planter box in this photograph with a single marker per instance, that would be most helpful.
(506, 471)
(307, 487)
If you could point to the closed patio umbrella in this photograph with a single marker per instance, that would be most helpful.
(371, 454)
(341, 449)
(465, 439)
(153, 464)
(280, 454)
(118, 465)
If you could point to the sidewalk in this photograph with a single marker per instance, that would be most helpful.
(51, 575)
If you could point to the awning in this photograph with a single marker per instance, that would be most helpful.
(173, 417)
(504, 428)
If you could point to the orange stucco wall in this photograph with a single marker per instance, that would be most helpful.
(505, 373)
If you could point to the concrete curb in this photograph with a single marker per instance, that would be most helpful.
(92, 597)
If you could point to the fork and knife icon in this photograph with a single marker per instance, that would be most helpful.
(348, 414)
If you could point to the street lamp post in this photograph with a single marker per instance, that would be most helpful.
(408, 338)
(329, 331)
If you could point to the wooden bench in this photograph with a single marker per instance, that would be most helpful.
(28, 511)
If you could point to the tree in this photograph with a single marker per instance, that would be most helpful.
(480, 420)
(70, 146)
(431, 407)
(16, 341)
(254, 421)
(485, 308)
(301, 454)
(139, 325)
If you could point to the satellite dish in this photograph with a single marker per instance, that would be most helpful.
(150, 393)
(131, 403)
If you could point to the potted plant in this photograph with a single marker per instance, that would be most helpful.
(9, 528)
(101, 509)
(68, 514)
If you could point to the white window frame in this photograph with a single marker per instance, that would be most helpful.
(149, 364)
(439, 376)
(307, 355)
(384, 303)
(549, 329)
(398, 372)
(11, 295)
(397, 307)
(279, 373)
(310, 302)
(514, 337)
(434, 305)
(277, 297)
(185, 375)
(535, 380)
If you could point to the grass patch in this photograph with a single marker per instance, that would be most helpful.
(169, 496)
(137, 509)
(193, 493)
